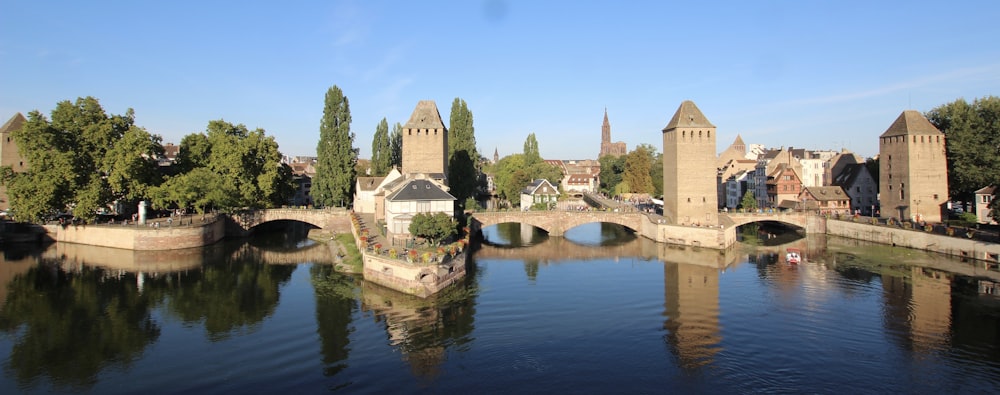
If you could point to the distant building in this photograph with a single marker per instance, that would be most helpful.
(689, 168)
(859, 184)
(9, 155)
(607, 147)
(913, 170)
(825, 200)
(783, 186)
(983, 198)
(539, 191)
(736, 187)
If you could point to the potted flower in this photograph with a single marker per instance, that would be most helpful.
(378, 247)
(393, 253)
(411, 256)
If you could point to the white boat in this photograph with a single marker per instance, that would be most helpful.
(793, 256)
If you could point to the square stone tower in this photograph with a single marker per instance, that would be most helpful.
(690, 196)
(425, 142)
(913, 169)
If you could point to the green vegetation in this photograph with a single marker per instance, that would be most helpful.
(396, 146)
(749, 201)
(612, 168)
(352, 257)
(229, 166)
(638, 170)
(463, 158)
(972, 145)
(381, 150)
(336, 155)
(513, 173)
(434, 227)
(81, 161)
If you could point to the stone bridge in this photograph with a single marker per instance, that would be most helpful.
(334, 219)
(811, 223)
(557, 222)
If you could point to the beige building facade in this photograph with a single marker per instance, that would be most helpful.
(913, 170)
(689, 168)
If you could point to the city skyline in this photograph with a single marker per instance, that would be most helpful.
(810, 75)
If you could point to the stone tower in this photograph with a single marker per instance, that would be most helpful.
(913, 170)
(9, 155)
(690, 196)
(425, 142)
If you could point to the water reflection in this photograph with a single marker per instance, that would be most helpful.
(889, 319)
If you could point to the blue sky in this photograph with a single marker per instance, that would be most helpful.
(812, 74)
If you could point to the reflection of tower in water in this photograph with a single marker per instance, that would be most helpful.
(691, 307)
(918, 306)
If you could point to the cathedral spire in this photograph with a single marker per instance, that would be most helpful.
(606, 128)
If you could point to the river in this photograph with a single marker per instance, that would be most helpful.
(599, 311)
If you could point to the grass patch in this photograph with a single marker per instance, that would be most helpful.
(352, 257)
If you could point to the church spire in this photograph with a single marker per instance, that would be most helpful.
(606, 128)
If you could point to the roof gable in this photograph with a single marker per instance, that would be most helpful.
(540, 186)
(911, 122)
(688, 116)
(826, 193)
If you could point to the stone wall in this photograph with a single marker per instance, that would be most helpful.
(909, 238)
(420, 280)
(132, 237)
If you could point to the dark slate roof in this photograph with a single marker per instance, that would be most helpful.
(688, 115)
(420, 190)
(425, 116)
(14, 123)
(911, 122)
(849, 175)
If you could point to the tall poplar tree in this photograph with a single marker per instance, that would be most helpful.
(462, 154)
(381, 150)
(531, 153)
(396, 146)
(638, 167)
(336, 155)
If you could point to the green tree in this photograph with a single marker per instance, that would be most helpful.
(228, 166)
(612, 169)
(638, 167)
(381, 150)
(513, 173)
(531, 153)
(462, 154)
(336, 155)
(83, 159)
(749, 202)
(396, 146)
(434, 227)
(972, 144)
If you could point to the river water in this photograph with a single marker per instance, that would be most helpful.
(598, 311)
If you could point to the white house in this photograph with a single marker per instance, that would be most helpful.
(539, 191)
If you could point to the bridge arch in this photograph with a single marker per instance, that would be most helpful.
(556, 222)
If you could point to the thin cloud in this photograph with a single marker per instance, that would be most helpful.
(954, 75)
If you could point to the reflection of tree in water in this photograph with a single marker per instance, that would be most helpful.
(236, 291)
(71, 326)
(335, 302)
(614, 234)
(531, 268)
